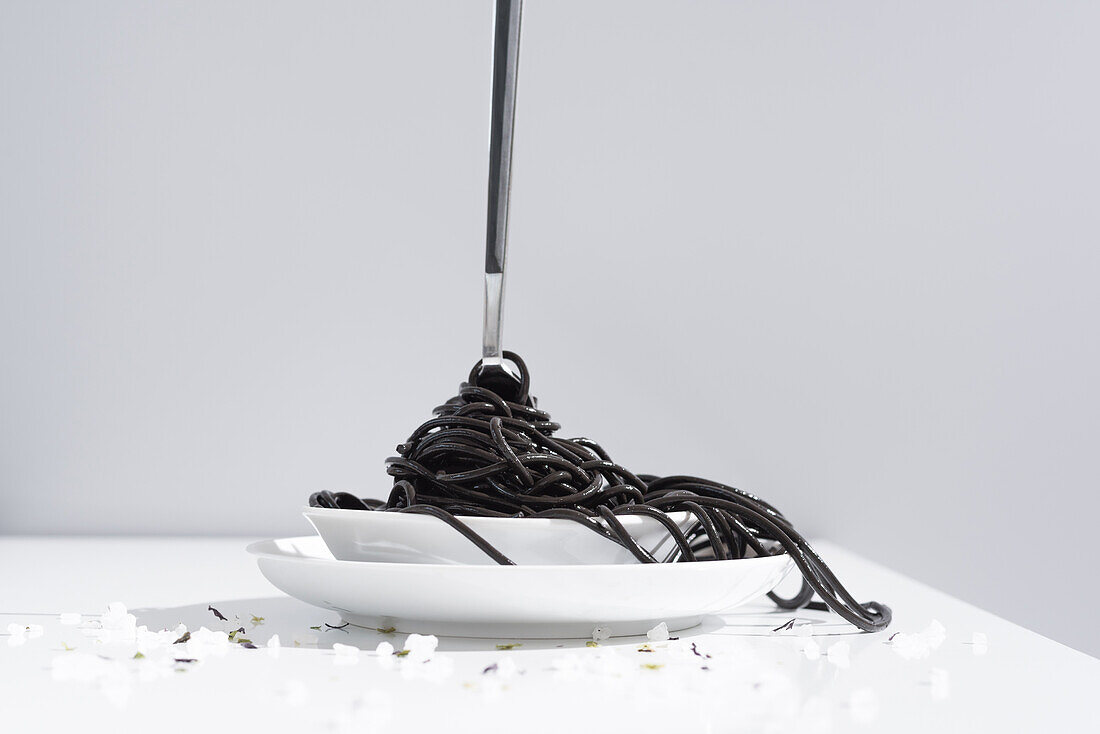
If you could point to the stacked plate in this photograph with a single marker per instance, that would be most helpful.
(415, 573)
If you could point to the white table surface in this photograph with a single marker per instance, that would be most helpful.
(755, 680)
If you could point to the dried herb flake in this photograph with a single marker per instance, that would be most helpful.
(788, 625)
(510, 646)
(186, 636)
(696, 652)
(217, 614)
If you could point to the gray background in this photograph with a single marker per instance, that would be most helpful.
(844, 255)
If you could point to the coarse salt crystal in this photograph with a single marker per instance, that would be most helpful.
(420, 647)
(811, 650)
(837, 654)
(385, 651)
(345, 654)
(658, 633)
(274, 642)
(804, 630)
(599, 634)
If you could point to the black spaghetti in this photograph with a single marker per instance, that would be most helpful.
(489, 451)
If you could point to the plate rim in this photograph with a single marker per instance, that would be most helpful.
(255, 549)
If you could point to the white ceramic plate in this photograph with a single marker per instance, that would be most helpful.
(514, 601)
(360, 535)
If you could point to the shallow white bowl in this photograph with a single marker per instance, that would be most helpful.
(515, 601)
(395, 537)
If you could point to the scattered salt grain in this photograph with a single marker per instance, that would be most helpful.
(811, 650)
(345, 654)
(940, 682)
(147, 641)
(420, 647)
(117, 618)
(70, 618)
(385, 651)
(599, 634)
(921, 644)
(657, 634)
(18, 635)
(837, 654)
(979, 643)
(206, 642)
(116, 624)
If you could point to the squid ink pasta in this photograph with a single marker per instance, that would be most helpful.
(490, 451)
